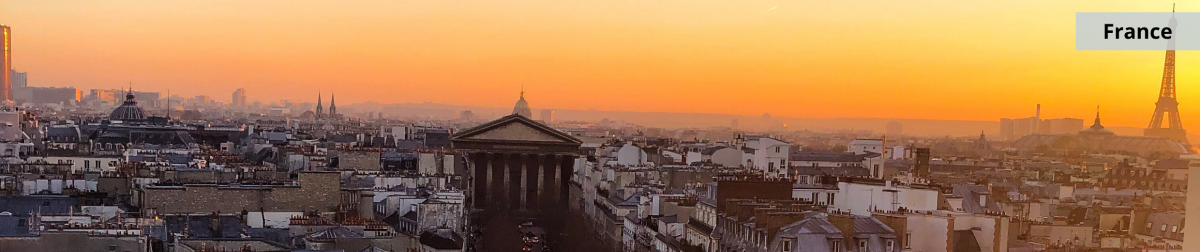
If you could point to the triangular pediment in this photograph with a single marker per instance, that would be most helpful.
(515, 131)
(516, 128)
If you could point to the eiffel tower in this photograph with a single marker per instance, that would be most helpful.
(1167, 107)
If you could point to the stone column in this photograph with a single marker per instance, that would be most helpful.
(513, 178)
(522, 181)
(565, 170)
(479, 180)
(496, 176)
(531, 183)
(546, 171)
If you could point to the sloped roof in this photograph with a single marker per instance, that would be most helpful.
(1134, 144)
(964, 241)
(711, 150)
(201, 226)
(334, 233)
(24, 205)
(867, 225)
(63, 131)
(819, 156)
(1171, 164)
(441, 239)
(970, 199)
(373, 249)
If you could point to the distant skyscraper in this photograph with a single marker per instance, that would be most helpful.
(19, 79)
(6, 68)
(466, 115)
(201, 100)
(548, 116)
(894, 128)
(1062, 126)
(1007, 129)
(1011, 129)
(106, 95)
(239, 98)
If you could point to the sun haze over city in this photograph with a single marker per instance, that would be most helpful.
(953, 60)
(596, 126)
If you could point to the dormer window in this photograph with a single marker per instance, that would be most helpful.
(835, 245)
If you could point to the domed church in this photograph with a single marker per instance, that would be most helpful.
(129, 125)
(522, 107)
(128, 111)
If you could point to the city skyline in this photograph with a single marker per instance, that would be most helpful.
(633, 126)
(703, 57)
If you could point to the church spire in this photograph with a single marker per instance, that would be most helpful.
(319, 104)
(332, 106)
(1096, 124)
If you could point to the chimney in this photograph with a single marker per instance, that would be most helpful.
(214, 223)
(366, 204)
(1039, 111)
(845, 223)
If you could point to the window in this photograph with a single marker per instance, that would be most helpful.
(97, 163)
(862, 245)
(87, 164)
(1164, 227)
(891, 245)
(776, 149)
(830, 198)
(1174, 229)
(908, 241)
(1149, 226)
(787, 245)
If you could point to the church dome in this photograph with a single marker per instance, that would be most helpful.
(1096, 129)
(522, 107)
(128, 111)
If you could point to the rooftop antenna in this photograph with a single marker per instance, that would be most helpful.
(169, 104)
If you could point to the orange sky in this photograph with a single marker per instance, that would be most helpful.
(936, 59)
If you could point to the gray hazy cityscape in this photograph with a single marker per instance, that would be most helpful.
(134, 168)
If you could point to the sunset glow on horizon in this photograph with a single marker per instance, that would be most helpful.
(937, 59)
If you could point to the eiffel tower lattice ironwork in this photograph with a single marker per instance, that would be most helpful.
(1167, 107)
